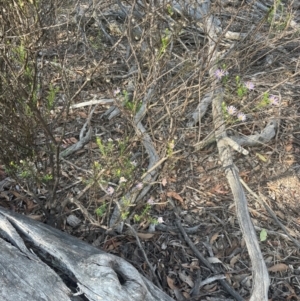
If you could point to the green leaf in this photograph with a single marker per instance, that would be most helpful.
(263, 235)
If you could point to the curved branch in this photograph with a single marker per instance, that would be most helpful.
(84, 137)
(252, 140)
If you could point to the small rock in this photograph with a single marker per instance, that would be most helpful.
(73, 220)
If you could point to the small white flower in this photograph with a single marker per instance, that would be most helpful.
(150, 201)
(116, 92)
(160, 220)
(241, 116)
(231, 110)
(219, 73)
(249, 85)
(139, 186)
(122, 180)
(274, 100)
(110, 190)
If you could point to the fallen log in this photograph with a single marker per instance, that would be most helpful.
(38, 262)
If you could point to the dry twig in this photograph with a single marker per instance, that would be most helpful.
(260, 198)
(223, 282)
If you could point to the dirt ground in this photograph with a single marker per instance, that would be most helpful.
(189, 182)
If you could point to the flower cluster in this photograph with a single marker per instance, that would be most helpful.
(231, 110)
(242, 89)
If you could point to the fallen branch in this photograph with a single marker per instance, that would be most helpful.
(167, 228)
(92, 102)
(260, 273)
(84, 137)
(266, 135)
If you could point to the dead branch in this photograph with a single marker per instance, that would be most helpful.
(264, 137)
(260, 274)
(84, 137)
(92, 102)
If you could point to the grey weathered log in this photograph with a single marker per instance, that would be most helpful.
(38, 262)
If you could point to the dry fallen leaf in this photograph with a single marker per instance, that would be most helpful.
(280, 214)
(279, 267)
(65, 174)
(111, 245)
(83, 115)
(175, 289)
(72, 140)
(210, 287)
(245, 175)
(145, 235)
(213, 260)
(68, 141)
(213, 238)
(210, 204)
(36, 217)
(186, 295)
(219, 189)
(171, 283)
(186, 278)
(175, 195)
(164, 182)
(92, 145)
(234, 259)
(29, 203)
